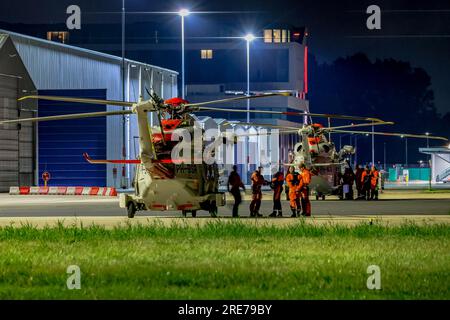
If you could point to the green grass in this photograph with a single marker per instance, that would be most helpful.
(437, 191)
(226, 261)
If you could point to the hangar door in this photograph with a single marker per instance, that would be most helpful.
(62, 143)
(16, 141)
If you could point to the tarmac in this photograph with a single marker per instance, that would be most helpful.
(394, 207)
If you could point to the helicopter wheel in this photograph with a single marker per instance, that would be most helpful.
(194, 213)
(131, 209)
(213, 210)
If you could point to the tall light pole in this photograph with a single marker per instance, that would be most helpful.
(248, 38)
(373, 146)
(427, 134)
(406, 150)
(124, 117)
(182, 13)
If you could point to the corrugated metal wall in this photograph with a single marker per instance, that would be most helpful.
(62, 143)
(54, 66)
(9, 148)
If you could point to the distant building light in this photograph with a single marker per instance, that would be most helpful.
(58, 36)
(206, 54)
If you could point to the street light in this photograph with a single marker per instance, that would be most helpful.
(427, 134)
(406, 149)
(373, 146)
(248, 38)
(124, 117)
(182, 13)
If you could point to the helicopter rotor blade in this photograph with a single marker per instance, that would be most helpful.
(358, 125)
(315, 164)
(69, 116)
(393, 134)
(80, 100)
(262, 95)
(263, 134)
(291, 113)
(260, 125)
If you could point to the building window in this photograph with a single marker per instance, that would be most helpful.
(206, 54)
(268, 35)
(58, 36)
(276, 35)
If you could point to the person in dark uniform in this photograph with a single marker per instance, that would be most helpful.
(348, 179)
(277, 186)
(358, 181)
(235, 182)
(366, 178)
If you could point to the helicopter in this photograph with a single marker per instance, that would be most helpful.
(161, 182)
(319, 153)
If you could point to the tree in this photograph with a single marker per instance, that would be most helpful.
(388, 89)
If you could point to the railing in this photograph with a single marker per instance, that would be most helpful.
(443, 175)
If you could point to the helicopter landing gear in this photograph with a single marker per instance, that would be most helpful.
(320, 195)
(131, 209)
(213, 209)
(185, 212)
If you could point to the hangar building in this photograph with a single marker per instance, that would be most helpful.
(31, 65)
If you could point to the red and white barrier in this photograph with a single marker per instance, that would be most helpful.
(74, 191)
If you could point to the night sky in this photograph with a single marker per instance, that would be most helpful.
(414, 31)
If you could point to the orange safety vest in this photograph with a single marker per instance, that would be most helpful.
(363, 175)
(306, 176)
(257, 182)
(374, 178)
(291, 183)
(277, 180)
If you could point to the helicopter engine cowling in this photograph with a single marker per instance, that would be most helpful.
(346, 150)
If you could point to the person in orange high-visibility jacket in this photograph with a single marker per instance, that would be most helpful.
(258, 181)
(295, 183)
(374, 175)
(306, 179)
(277, 186)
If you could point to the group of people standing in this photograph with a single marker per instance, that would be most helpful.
(366, 181)
(297, 184)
